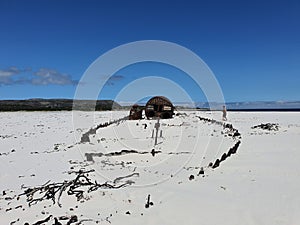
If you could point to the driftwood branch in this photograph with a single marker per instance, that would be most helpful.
(54, 191)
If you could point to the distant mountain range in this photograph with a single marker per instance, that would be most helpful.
(38, 104)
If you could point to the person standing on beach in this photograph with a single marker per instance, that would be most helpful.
(224, 117)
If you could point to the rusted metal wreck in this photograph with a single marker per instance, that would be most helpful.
(136, 112)
(159, 106)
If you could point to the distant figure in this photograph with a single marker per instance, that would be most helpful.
(224, 118)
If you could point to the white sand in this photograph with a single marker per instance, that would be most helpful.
(260, 184)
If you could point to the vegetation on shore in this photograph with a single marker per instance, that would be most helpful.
(57, 105)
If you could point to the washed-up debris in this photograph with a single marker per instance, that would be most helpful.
(224, 156)
(89, 156)
(231, 132)
(54, 191)
(73, 219)
(231, 151)
(85, 137)
(117, 180)
(56, 220)
(267, 126)
(7, 153)
(216, 164)
(153, 152)
(148, 203)
(43, 221)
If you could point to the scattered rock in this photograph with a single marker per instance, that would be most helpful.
(201, 172)
(8, 198)
(192, 177)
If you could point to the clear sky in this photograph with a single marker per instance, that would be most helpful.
(252, 47)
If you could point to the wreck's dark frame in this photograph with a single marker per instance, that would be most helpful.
(159, 107)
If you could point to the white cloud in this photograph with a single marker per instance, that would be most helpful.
(46, 76)
(11, 71)
(43, 76)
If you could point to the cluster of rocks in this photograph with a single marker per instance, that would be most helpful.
(210, 120)
(233, 132)
(267, 126)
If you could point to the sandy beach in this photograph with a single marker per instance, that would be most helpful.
(125, 178)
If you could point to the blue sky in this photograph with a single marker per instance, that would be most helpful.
(252, 47)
